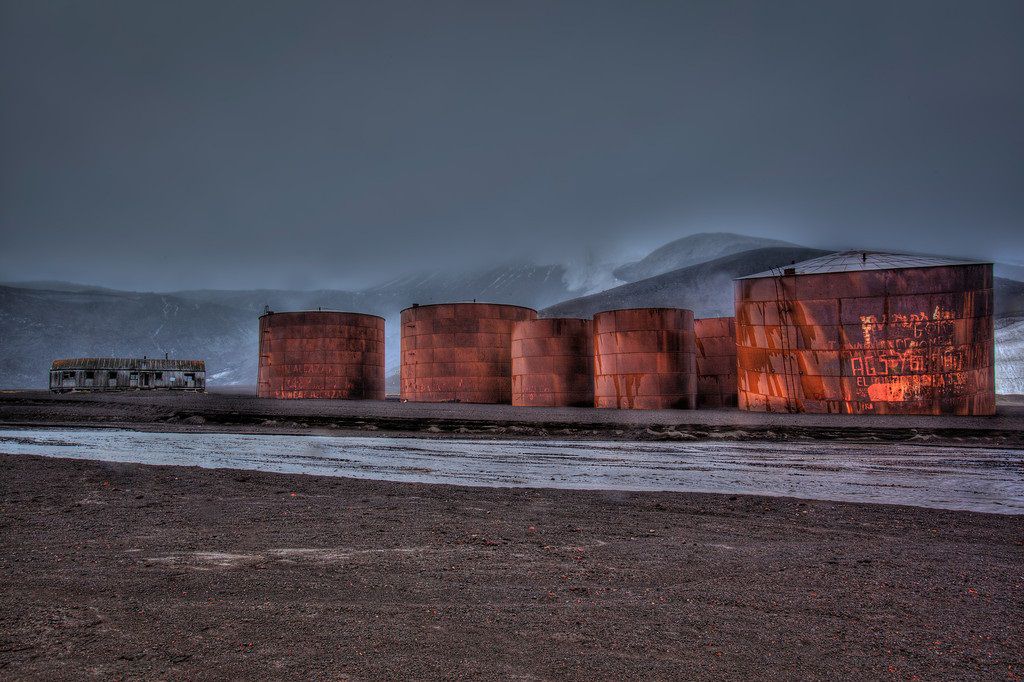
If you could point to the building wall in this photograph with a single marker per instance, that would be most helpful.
(123, 380)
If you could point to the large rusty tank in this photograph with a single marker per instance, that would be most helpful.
(459, 352)
(321, 354)
(553, 363)
(867, 333)
(716, 361)
(645, 359)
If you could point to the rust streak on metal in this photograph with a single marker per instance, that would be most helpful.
(896, 340)
(321, 354)
(716, 361)
(459, 352)
(553, 363)
(645, 358)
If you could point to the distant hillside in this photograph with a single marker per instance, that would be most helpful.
(1009, 296)
(705, 288)
(1008, 271)
(691, 250)
(40, 321)
(38, 325)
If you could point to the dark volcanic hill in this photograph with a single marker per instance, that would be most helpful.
(705, 288)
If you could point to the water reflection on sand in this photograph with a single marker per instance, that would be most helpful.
(979, 479)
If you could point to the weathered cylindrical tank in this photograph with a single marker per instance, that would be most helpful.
(867, 333)
(459, 352)
(321, 354)
(553, 363)
(716, 361)
(645, 359)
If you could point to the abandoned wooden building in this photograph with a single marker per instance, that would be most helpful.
(127, 374)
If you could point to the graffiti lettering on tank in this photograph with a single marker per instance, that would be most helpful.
(917, 356)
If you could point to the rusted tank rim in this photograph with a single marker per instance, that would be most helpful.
(617, 310)
(782, 268)
(330, 312)
(571, 319)
(481, 303)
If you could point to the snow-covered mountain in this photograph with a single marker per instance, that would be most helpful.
(705, 288)
(691, 250)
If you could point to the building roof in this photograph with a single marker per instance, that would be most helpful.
(158, 364)
(858, 261)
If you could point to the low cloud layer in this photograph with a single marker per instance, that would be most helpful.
(248, 144)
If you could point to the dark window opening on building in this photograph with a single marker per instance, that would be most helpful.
(159, 376)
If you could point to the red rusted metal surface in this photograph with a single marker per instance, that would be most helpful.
(553, 363)
(915, 340)
(321, 354)
(459, 352)
(645, 359)
(716, 361)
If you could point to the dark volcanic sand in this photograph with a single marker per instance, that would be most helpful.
(141, 571)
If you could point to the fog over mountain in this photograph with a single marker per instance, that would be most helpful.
(228, 155)
(40, 321)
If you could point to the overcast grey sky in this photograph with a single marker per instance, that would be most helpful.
(241, 144)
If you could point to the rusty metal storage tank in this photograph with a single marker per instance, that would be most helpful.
(459, 352)
(553, 363)
(321, 354)
(716, 361)
(867, 333)
(645, 359)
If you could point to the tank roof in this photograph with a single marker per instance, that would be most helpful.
(480, 303)
(859, 261)
(318, 310)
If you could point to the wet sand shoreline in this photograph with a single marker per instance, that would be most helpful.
(237, 413)
(943, 476)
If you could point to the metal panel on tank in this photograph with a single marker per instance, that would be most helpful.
(553, 363)
(459, 352)
(875, 340)
(321, 354)
(645, 359)
(716, 361)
